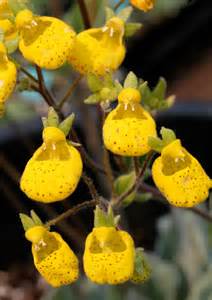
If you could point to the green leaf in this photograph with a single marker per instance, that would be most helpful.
(125, 13)
(94, 83)
(66, 125)
(37, 221)
(26, 221)
(17, 5)
(131, 29)
(109, 13)
(104, 219)
(168, 135)
(155, 143)
(122, 184)
(93, 99)
(143, 197)
(131, 81)
(53, 119)
(24, 84)
(160, 89)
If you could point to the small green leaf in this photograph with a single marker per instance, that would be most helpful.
(109, 13)
(37, 221)
(143, 197)
(125, 13)
(155, 143)
(131, 81)
(160, 89)
(104, 219)
(94, 83)
(53, 119)
(131, 29)
(66, 125)
(93, 99)
(26, 221)
(17, 5)
(168, 135)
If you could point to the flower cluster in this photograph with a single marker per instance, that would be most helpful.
(128, 130)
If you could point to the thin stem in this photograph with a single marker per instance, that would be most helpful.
(108, 170)
(136, 165)
(146, 188)
(118, 4)
(117, 202)
(89, 182)
(23, 70)
(72, 211)
(69, 91)
(84, 14)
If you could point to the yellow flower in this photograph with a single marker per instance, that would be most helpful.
(10, 35)
(7, 77)
(5, 10)
(109, 256)
(99, 50)
(128, 126)
(53, 258)
(144, 5)
(45, 41)
(53, 172)
(180, 177)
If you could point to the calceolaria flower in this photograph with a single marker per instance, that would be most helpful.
(178, 175)
(45, 41)
(10, 35)
(7, 77)
(144, 5)
(128, 126)
(53, 172)
(99, 50)
(52, 256)
(109, 255)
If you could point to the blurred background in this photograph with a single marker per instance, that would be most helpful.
(175, 42)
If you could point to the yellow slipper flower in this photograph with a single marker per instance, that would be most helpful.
(180, 177)
(144, 5)
(53, 172)
(53, 258)
(10, 35)
(109, 256)
(7, 77)
(128, 126)
(45, 41)
(5, 10)
(99, 50)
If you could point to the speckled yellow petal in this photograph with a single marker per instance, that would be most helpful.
(45, 41)
(109, 256)
(99, 50)
(180, 177)
(53, 258)
(52, 174)
(128, 126)
(7, 78)
(144, 5)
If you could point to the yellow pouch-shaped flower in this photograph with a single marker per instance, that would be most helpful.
(7, 77)
(53, 258)
(144, 5)
(5, 10)
(45, 41)
(180, 177)
(99, 50)
(54, 170)
(109, 256)
(128, 126)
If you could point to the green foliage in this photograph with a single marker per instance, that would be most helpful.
(105, 219)
(155, 100)
(157, 144)
(29, 222)
(122, 184)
